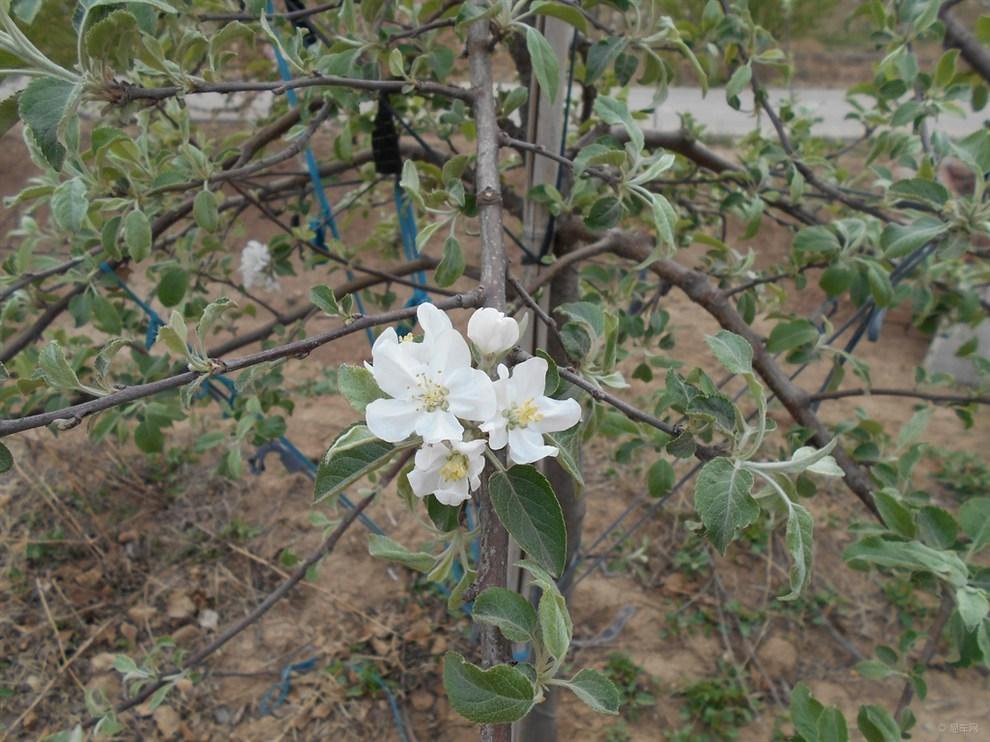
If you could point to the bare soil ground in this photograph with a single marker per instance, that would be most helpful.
(104, 550)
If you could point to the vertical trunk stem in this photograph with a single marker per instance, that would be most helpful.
(492, 567)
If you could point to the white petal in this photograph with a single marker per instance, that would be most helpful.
(471, 394)
(438, 426)
(431, 319)
(423, 483)
(558, 414)
(529, 380)
(445, 352)
(392, 420)
(388, 336)
(453, 493)
(497, 434)
(526, 446)
(395, 369)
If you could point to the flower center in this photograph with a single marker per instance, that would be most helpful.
(524, 414)
(455, 468)
(432, 396)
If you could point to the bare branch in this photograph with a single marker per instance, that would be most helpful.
(933, 397)
(69, 416)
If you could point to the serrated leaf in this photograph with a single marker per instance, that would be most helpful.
(323, 298)
(732, 351)
(974, 518)
(877, 725)
(137, 235)
(451, 266)
(556, 628)
(358, 386)
(382, 547)
(568, 443)
(42, 105)
(6, 459)
(499, 695)
(509, 611)
(739, 80)
(595, 689)
(529, 510)
(660, 478)
(54, 369)
(211, 313)
(910, 555)
(70, 204)
(353, 455)
(792, 334)
(817, 239)
(723, 500)
(545, 65)
(205, 211)
(899, 240)
(799, 541)
(615, 113)
(972, 605)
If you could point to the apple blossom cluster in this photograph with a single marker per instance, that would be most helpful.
(435, 393)
(256, 267)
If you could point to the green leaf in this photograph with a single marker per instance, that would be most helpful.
(615, 113)
(205, 211)
(877, 725)
(8, 113)
(445, 517)
(42, 105)
(324, 299)
(739, 80)
(556, 628)
(456, 598)
(355, 454)
(895, 516)
(805, 712)
(937, 527)
(175, 335)
(358, 386)
(732, 351)
(723, 500)
(530, 512)
(832, 726)
(451, 266)
(660, 478)
(604, 213)
(974, 517)
(148, 437)
(172, 287)
(545, 64)
(509, 611)
(382, 547)
(818, 240)
(6, 459)
(790, 335)
(910, 555)
(498, 695)
(137, 235)
(26, 10)
(798, 539)
(70, 204)
(972, 605)
(54, 369)
(568, 13)
(568, 443)
(213, 311)
(595, 689)
(898, 240)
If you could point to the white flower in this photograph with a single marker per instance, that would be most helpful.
(450, 471)
(491, 331)
(431, 383)
(255, 266)
(524, 413)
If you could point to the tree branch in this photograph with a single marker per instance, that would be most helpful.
(957, 36)
(933, 397)
(68, 417)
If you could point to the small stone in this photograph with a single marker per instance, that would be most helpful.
(422, 700)
(167, 720)
(221, 715)
(779, 656)
(141, 613)
(180, 606)
(209, 620)
(126, 537)
(129, 632)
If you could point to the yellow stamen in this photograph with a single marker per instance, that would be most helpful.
(525, 414)
(455, 468)
(432, 396)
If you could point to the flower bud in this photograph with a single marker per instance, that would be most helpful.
(492, 332)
